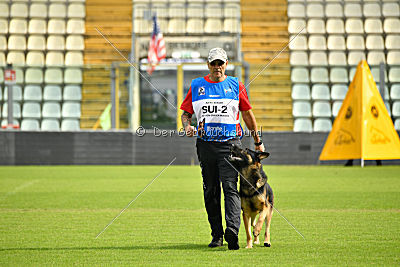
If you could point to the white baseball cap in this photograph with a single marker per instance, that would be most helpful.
(217, 53)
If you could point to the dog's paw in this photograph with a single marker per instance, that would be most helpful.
(249, 246)
(256, 233)
(267, 245)
(257, 242)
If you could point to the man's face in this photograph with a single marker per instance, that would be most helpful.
(217, 69)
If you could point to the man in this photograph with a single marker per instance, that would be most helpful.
(216, 100)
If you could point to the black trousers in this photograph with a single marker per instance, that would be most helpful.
(216, 171)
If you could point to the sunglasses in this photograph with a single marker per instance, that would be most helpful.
(217, 63)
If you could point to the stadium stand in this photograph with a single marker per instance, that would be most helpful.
(340, 34)
(51, 41)
(34, 37)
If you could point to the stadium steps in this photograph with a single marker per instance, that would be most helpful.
(264, 34)
(114, 20)
(96, 95)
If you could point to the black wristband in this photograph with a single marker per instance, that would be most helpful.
(259, 143)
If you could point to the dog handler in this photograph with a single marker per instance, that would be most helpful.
(216, 100)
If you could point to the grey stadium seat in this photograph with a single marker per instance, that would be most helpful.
(338, 75)
(315, 10)
(335, 26)
(31, 110)
(395, 92)
(301, 92)
(72, 93)
(30, 125)
(374, 42)
(391, 25)
(373, 26)
(355, 42)
(302, 125)
(336, 42)
(300, 75)
(320, 92)
(322, 125)
(54, 59)
(394, 75)
(51, 110)
(296, 10)
(393, 58)
(37, 26)
(354, 26)
(50, 125)
(315, 26)
(338, 91)
(53, 76)
(372, 10)
(34, 76)
(317, 42)
(296, 25)
(70, 125)
(318, 58)
(300, 43)
(321, 109)
(333, 10)
(71, 110)
(33, 93)
(352, 10)
(391, 9)
(52, 93)
(301, 109)
(319, 75)
(35, 59)
(73, 76)
(337, 58)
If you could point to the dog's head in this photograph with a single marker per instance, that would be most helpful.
(248, 163)
(245, 157)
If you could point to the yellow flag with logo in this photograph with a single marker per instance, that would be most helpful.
(363, 128)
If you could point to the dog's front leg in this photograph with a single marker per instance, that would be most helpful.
(247, 226)
(259, 225)
(267, 242)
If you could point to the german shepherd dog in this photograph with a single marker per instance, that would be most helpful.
(255, 193)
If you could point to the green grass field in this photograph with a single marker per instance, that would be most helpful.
(51, 216)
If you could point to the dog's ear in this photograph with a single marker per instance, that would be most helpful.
(263, 155)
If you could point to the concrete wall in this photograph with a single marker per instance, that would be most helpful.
(125, 148)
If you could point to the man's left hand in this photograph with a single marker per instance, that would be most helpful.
(260, 148)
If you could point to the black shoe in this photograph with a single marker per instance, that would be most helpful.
(232, 239)
(216, 242)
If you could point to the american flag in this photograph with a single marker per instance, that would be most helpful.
(156, 47)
